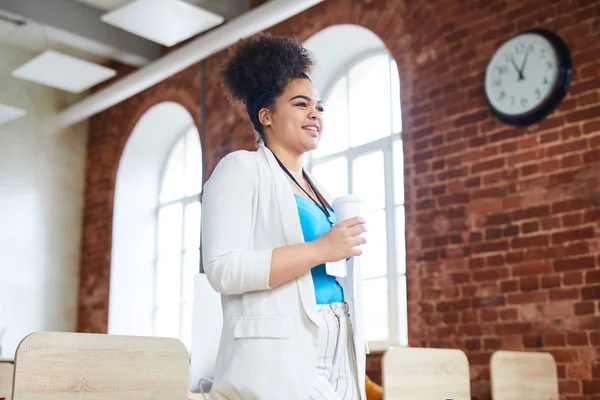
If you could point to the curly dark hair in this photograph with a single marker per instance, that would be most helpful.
(259, 69)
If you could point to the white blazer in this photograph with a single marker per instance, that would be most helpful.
(268, 348)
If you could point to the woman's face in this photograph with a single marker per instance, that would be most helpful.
(296, 120)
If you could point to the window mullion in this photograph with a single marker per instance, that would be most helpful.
(391, 93)
(156, 256)
(348, 121)
(392, 269)
(181, 269)
(349, 155)
(372, 278)
(182, 247)
(185, 200)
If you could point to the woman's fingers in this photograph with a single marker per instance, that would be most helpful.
(357, 229)
(358, 240)
(356, 251)
(350, 222)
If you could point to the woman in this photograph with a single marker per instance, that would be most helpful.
(268, 231)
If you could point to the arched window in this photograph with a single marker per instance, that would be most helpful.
(361, 153)
(178, 238)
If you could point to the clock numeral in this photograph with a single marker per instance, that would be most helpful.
(508, 58)
(545, 81)
(520, 49)
(543, 51)
(538, 93)
(497, 82)
(524, 102)
(502, 95)
(512, 100)
(549, 64)
(502, 69)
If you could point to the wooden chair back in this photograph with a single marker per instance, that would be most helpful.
(6, 379)
(83, 366)
(411, 373)
(519, 375)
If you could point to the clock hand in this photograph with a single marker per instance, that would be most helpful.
(521, 77)
(512, 60)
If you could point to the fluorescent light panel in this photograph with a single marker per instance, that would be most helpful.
(63, 72)
(10, 113)
(166, 22)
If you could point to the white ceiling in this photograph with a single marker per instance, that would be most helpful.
(63, 72)
(109, 5)
(227, 8)
(163, 22)
(38, 37)
(106, 5)
(9, 113)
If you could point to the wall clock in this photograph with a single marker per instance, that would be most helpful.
(527, 77)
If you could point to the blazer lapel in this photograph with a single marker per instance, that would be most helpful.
(292, 229)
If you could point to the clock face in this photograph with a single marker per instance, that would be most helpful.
(522, 74)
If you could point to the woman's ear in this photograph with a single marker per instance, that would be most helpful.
(264, 116)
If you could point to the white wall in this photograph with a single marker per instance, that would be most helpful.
(131, 298)
(42, 169)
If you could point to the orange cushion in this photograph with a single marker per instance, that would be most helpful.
(374, 391)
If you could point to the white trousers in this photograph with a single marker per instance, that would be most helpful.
(336, 377)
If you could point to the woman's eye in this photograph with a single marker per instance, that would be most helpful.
(321, 109)
(301, 104)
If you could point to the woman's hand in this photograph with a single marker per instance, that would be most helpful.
(342, 240)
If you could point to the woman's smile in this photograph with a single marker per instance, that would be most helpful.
(313, 130)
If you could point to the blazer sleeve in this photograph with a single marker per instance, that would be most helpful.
(227, 206)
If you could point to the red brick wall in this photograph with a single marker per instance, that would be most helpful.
(502, 222)
(108, 134)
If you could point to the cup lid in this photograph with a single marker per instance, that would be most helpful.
(349, 198)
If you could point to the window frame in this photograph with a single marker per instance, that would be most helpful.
(397, 331)
(184, 201)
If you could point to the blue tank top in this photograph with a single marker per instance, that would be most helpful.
(314, 225)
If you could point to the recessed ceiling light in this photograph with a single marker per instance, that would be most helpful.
(9, 113)
(164, 22)
(64, 72)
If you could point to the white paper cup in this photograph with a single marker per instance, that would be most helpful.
(348, 206)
